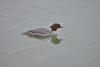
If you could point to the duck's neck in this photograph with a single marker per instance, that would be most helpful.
(54, 29)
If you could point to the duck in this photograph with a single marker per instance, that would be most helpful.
(43, 32)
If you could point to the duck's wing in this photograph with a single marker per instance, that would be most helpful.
(40, 30)
(37, 31)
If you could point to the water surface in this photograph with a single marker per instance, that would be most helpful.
(77, 45)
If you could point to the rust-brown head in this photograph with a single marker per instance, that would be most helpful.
(55, 26)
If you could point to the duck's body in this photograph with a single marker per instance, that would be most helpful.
(43, 32)
(40, 32)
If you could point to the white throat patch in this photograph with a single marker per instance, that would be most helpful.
(54, 32)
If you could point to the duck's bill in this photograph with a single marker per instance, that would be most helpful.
(61, 27)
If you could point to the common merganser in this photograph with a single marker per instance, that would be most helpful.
(44, 32)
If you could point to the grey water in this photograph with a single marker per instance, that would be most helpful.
(76, 45)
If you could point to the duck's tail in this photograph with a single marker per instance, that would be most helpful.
(26, 33)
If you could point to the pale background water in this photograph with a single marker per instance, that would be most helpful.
(77, 45)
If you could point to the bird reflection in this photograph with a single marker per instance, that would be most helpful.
(54, 38)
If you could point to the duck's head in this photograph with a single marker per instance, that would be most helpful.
(55, 26)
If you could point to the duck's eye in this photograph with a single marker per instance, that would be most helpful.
(59, 26)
